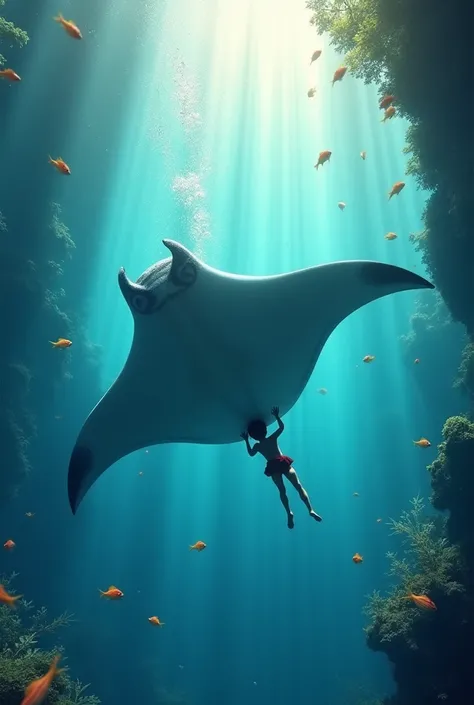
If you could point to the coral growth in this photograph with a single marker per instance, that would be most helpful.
(429, 649)
(429, 565)
(29, 374)
(465, 379)
(10, 34)
(22, 660)
(452, 480)
(392, 44)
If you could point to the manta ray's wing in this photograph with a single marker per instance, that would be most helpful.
(207, 360)
(263, 335)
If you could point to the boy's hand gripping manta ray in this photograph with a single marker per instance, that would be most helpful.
(278, 465)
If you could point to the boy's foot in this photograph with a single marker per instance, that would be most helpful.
(315, 516)
(291, 522)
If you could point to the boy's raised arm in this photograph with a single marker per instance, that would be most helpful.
(281, 425)
(251, 451)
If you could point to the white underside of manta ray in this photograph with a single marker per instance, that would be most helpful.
(213, 351)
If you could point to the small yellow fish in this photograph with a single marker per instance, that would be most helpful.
(397, 187)
(368, 358)
(391, 236)
(9, 75)
(422, 601)
(422, 443)
(69, 26)
(198, 546)
(37, 691)
(339, 74)
(112, 593)
(61, 343)
(156, 621)
(389, 113)
(60, 165)
(6, 599)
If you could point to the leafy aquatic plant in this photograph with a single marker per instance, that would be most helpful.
(22, 659)
(9, 33)
(430, 560)
(429, 564)
(74, 695)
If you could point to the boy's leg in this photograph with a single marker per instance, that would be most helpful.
(278, 480)
(294, 479)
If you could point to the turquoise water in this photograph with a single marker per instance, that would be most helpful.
(214, 146)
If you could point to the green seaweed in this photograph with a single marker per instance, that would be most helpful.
(429, 563)
(451, 472)
(22, 659)
(9, 33)
(465, 378)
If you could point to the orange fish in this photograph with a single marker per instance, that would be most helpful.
(112, 593)
(422, 601)
(323, 157)
(61, 343)
(323, 391)
(422, 443)
(388, 114)
(198, 546)
(70, 27)
(10, 75)
(357, 558)
(368, 358)
(60, 165)
(391, 236)
(37, 691)
(339, 74)
(416, 361)
(341, 205)
(316, 55)
(9, 545)
(312, 92)
(386, 101)
(396, 188)
(155, 621)
(29, 514)
(6, 599)
(363, 155)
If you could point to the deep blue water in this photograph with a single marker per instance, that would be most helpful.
(191, 121)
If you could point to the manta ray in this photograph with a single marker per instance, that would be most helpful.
(212, 351)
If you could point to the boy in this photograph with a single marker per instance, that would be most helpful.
(277, 464)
